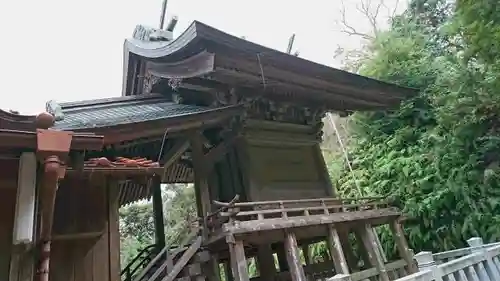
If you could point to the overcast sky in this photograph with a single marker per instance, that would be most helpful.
(72, 50)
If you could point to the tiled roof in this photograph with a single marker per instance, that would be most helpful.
(122, 110)
(136, 162)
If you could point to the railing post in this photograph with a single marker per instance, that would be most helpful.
(489, 267)
(340, 277)
(425, 261)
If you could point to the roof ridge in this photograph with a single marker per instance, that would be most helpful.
(104, 101)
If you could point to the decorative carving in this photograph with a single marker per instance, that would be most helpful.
(55, 109)
(177, 98)
(174, 82)
(146, 33)
(267, 109)
(263, 108)
(149, 81)
(226, 98)
(44, 120)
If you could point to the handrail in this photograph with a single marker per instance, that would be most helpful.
(224, 205)
(164, 253)
(131, 268)
(170, 259)
(315, 200)
(445, 256)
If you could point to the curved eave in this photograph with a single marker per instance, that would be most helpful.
(12, 121)
(248, 56)
(171, 125)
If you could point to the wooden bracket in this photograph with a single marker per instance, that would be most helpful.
(173, 154)
(216, 153)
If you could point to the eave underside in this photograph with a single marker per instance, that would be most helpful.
(208, 54)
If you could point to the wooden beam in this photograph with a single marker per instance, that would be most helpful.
(179, 265)
(306, 253)
(402, 246)
(281, 253)
(379, 216)
(293, 257)
(77, 236)
(352, 261)
(265, 261)
(113, 229)
(373, 251)
(211, 268)
(226, 266)
(217, 153)
(200, 177)
(158, 213)
(22, 259)
(362, 251)
(336, 251)
(172, 155)
(238, 261)
(25, 202)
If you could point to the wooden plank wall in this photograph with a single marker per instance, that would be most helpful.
(284, 162)
(7, 210)
(285, 172)
(81, 207)
(8, 189)
(86, 208)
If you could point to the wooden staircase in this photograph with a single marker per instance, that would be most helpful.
(181, 263)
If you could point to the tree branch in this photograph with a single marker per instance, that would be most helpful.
(349, 29)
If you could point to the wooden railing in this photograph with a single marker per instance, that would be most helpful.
(481, 264)
(139, 262)
(447, 256)
(245, 211)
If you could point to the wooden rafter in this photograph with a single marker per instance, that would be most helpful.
(173, 154)
(216, 153)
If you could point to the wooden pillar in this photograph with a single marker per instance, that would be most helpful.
(362, 250)
(402, 246)
(211, 268)
(22, 264)
(281, 253)
(227, 270)
(238, 261)
(158, 212)
(306, 253)
(52, 146)
(113, 230)
(265, 262)
(336, 251)
(374, 251)
(293, 257)
(200, 178)
(352, 261)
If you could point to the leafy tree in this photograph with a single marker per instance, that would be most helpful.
(136, 229)
(137, 225)
(437, 154)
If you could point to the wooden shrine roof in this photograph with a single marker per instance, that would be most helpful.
(123, 119)
(87, 117)
(20, 132)
(210, 55)
(118, 111)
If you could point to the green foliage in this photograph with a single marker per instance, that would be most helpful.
(180, 213)
(478, 21)
(137, 224)
(136, 230)
(438, 153)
